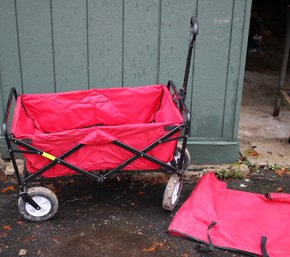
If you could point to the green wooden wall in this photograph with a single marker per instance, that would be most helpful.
(61, 45)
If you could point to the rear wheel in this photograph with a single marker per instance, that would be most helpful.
(47, 201)
(172, 192)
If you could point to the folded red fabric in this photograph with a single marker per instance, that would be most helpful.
(235, 220)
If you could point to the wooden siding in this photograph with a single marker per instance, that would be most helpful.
(61, 45)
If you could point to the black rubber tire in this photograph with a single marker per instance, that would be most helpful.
(171, 193)
(44, 193)
(186, 161)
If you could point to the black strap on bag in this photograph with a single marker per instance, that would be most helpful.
(205, 250)
(263, 246)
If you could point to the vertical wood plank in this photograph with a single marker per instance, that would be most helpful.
(35, 45)
(9, 55)
(234, 67)
(175, 35)
(105, 43)
(175, 27)
(242, 62)
(140, 42)
(211, 64)
(70, 44)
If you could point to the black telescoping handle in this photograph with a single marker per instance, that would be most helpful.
(193, 34)
(13, 94)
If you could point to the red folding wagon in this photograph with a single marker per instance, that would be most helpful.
(111, 131)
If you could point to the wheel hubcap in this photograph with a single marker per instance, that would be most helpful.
(177, 156)
(43, 203)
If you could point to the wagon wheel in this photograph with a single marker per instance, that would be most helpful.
(47, 201)
(172, 192)
(177, 155)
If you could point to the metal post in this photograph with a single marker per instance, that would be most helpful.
(283, 67)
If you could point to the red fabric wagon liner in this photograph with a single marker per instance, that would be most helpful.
(235, 220)
(56, 122)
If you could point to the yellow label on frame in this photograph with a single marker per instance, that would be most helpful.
(48, 156)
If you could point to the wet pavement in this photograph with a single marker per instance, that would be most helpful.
(119, 219)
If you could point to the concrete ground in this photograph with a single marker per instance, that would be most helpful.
(114, 219)
(263, 138)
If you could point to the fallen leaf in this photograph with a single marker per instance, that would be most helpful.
(153, 247)
(184, 255)
(161, 245)
(281, 172)
(19, 222)
(28, 239)
(279, 189)
(6, 227)
(12, 180)
(252, 153)
(6, 189)
(141, 193)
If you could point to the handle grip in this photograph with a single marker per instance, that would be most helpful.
(193, 29)
(193, 34)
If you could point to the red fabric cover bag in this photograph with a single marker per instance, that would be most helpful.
(235, 220)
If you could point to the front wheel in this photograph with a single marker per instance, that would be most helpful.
(47, 201)
(172, 192)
